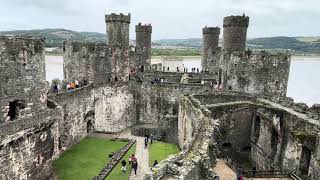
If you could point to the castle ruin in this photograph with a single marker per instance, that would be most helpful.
(247, 119)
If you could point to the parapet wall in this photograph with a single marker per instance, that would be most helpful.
(147, 28)
(211, 30)
(22, 76)
(97, 63)
(259, 73)
(236, 21)
(79, 61)
(28, 145)
(77, 110)
(118, 17)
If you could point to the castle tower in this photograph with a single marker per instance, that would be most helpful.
(118, 29)
(210, 43)
(235, 33)
(22, 76)
(143, 46)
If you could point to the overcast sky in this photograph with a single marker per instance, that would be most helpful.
(170, 18)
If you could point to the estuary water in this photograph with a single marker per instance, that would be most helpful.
(303, 86)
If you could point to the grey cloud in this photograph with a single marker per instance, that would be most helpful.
(170, 18)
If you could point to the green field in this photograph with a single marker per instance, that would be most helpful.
(160, 150)
(85, 159)
(116, 173)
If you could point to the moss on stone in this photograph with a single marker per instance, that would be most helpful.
(302, 136)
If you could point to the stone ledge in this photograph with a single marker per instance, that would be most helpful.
(114, 160)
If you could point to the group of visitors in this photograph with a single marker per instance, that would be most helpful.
(157, 81)
(132, 161)
(72, 85)
(195, 70)
(148, 138)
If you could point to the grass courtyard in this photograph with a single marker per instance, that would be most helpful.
(85, 159)
(160, 150)
(116, 173)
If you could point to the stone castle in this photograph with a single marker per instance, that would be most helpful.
(248, 118)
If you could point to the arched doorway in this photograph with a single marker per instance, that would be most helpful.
(90, 126)
(304, 161)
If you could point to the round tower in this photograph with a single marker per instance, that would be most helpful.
(118, 29)
(210, 41)
(235, 33)
(210, 37)
(143, 46)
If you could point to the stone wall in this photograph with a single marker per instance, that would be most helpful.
(196, 160)
(77, 115)
(210, 50)
(235, 33)
(28, 145)
(79, 61)
(159, 104)
(258, 73)
(114, 108)
(143, 47)
(22, 77)
(117, 28)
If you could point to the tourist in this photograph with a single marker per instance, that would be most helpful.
(55, 88)
(85, 82)
(155, 163)
(151, 138)
(76, 83)
(134, 163)
(145, 142)
(73, 85)
(123, 167)
(197, 70)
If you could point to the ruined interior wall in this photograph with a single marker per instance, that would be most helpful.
(267, 144)
(235, 133)
(196, 159)
(22, 74)
(78, 61)
(159, 104)
(301, 134)
(258, 73)
(76, 107)
(27, 153)
(114, 108)
(189, 118)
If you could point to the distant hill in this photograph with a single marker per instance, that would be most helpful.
(296, 45)
(55, 37)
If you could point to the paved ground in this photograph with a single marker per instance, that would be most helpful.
(142, 155)
(226, 173)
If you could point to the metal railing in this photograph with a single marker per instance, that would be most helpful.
(258, 173)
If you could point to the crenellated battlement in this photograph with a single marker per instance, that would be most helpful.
(20, 45)
(236, 21)
(144, 28)
(118, 18)
(211, 30)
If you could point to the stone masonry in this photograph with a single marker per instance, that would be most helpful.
(237, 107)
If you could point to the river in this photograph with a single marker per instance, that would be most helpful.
(303, 85)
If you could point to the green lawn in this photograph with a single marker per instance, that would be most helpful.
(160, 150)
(116, 173)
(85, 159)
